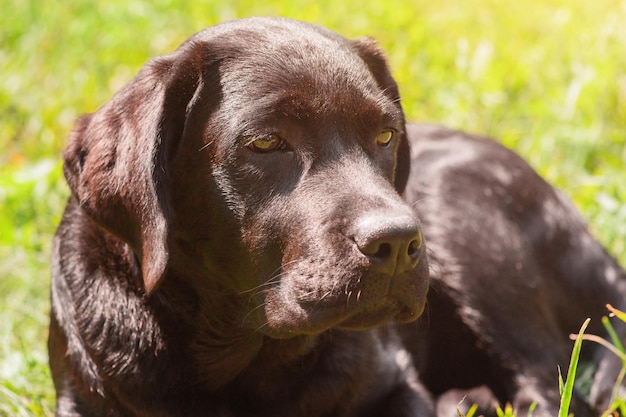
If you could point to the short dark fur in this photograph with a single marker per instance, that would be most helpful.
(514, 271)
(193, 275)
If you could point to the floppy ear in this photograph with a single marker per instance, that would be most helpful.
(374, 57)
(116, 161)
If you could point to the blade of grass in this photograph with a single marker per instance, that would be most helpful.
(614, 337)
(603, 342)
(620, 314)
(470, 412)
(615, 394)
(566, 395)
(617, 342)
(507, 412)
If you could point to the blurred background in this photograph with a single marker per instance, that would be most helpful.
(545, 77)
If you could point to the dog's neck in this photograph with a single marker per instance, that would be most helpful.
(298, 370)
(222, 347)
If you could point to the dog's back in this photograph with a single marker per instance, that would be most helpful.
(514, 271)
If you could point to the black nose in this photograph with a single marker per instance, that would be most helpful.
(392, 243)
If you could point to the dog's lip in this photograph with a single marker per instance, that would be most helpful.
(363, 316)
(363, 307)
(372, 316)
(363, 319)
(407, 314)
(389, 308)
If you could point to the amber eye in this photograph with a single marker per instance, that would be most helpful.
(265, 144)
(384, 137)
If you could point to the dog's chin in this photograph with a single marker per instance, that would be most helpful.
(386, 310)
(372, 317)
(361, 317)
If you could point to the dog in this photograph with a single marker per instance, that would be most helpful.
(236, 243)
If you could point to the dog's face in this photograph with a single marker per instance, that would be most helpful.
(262, 162)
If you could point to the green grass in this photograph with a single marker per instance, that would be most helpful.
(566, 388)
(546, 77)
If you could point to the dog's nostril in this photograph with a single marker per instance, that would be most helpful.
(380, 250)
(414, 246)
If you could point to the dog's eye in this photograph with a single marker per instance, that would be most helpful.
(384, 137)
(265, 144)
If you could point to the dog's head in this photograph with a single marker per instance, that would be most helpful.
(262, 161)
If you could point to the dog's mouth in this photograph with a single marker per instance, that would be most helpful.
(376, 315)
(403, 300)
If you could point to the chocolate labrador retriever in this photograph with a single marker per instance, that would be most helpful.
(235, 244)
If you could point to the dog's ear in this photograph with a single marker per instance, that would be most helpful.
(374, 57)
(116, 161)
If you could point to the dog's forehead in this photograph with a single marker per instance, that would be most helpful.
(303, 76)
(302, 58)
(264, 34)
(290, 61)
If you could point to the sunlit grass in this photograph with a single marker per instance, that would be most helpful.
(545, 77)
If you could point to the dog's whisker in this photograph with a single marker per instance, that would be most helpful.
(421, 200)
(274, 278)
(267, 283)
(252, 311)
(206, 145)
